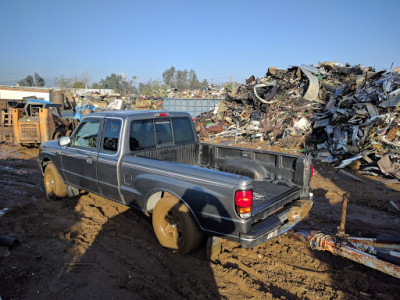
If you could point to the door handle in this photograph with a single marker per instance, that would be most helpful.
(89, 160)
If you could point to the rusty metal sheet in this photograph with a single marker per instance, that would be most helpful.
(387, 168)
(392, 133)
(250, 80)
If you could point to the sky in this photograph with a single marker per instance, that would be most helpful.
(217, 39)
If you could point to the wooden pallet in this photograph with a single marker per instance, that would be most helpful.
(6, 119)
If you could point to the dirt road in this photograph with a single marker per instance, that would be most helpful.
(87, 247)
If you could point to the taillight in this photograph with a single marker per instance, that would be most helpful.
(244, 203)
(312, 172)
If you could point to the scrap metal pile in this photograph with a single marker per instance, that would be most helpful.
(210, 92)
(347, 115)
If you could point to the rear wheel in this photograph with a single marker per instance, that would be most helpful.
(53, 183)
(174, 226)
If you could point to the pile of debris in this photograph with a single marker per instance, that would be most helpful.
(139, 104)
(211, 92)
(347, 115)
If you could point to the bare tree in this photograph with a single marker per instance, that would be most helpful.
(63, 82)
(85, 78)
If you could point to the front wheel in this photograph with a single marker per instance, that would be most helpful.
(174, 226)
(53, 183)
(57, 135)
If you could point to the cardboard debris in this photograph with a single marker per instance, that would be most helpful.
(339, 113)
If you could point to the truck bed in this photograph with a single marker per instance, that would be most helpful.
(278, 178)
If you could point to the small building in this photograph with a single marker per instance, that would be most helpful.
(19, 92)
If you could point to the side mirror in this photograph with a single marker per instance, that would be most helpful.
(64, 141)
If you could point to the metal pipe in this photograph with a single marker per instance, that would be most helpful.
(371, 242)
(369, 261)
(341, 230)
(323, 242)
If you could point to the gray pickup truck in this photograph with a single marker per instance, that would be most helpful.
(153, 161)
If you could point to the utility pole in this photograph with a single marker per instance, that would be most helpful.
(134, 81)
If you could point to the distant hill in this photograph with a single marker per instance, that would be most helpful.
(8, 82)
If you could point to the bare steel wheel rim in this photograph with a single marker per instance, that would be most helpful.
(171, 227)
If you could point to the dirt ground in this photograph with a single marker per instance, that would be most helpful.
(87, 247)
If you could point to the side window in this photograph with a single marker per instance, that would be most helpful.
(142, 135)
(183, 132)
(87, 134)
(163, 131)
(112, 129)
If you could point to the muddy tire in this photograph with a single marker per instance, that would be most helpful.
(57, 135)
(175, 227)
(53, 183)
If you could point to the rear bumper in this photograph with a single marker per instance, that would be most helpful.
(276, 224)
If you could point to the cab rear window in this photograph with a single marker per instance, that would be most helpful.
(183, 132)
(153, 133)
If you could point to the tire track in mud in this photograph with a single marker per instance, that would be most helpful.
(263, 271)
(21, 180)
(150, 268)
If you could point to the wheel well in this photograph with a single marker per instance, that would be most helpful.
(153, 200)
(157, 196)
(44, 163)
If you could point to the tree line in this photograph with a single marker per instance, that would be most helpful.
(172, 79)
(32, 81)
(183, 79)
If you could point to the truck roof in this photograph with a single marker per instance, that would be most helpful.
(138, 113)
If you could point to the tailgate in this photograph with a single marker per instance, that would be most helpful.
(269, 197)
(276, 209)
